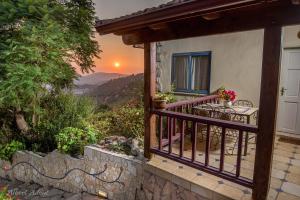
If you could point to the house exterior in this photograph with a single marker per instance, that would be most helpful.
(245, 36)
(236, 60)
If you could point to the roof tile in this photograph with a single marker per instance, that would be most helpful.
(145, 11)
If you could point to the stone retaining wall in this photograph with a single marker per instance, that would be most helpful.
(56, 164)
(157, 187)
(142, 180)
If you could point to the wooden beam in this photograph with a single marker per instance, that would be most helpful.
(229, 22)
(267, 111)
(174, 12)
(159, 26)
(149, 92)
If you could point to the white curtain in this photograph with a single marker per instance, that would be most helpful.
(200, 73)
(181, 65)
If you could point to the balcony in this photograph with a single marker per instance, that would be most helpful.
(187, 149)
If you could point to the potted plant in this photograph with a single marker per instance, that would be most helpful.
(160, 101)
(228, 96)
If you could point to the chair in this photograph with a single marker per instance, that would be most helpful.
(228, 114)
(207, 111)
(245, 103)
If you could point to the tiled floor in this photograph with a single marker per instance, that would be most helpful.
(285, 184)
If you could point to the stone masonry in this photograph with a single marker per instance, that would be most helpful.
(56, 164)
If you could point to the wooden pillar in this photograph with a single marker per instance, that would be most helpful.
(149, 92)
(267, 111)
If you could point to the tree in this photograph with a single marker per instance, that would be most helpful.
(40, 40)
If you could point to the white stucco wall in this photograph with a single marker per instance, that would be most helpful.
(236, 59)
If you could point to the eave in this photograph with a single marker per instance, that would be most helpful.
(197, 18)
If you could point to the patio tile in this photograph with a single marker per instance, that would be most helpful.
(295, 162)
(286, 146)
(281, 158)
(240, 187)
(250, 158)
(293, 178)
(297, 156)
(285, 182)
(247, 197)
(280, 165)
(230, 159)
(285, 196)
(229, 191)
(284, 153)
(205, 182)
(294, 169)
(182, 176)
(276, 183)
(247, 173)
(154, 161)
(291, 188)
(213, 177)
(278, 174)
(272, 194)
(247, 164)
(169, 164)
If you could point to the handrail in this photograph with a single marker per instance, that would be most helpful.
(193, 101)
(208, 120)
(174, 124)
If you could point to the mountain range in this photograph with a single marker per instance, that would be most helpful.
(119, 91)
(110, 88)
(97, 78)
(86, 83)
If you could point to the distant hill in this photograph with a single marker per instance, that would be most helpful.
(119, 91)
(86, 83)
(97, 78)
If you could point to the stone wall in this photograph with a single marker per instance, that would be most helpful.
(142, 180)
(157, 187)
(56, 165)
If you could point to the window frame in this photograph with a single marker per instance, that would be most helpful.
(190, 55)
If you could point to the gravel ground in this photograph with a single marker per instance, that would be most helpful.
(32, 191)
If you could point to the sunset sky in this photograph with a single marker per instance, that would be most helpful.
(116, 56)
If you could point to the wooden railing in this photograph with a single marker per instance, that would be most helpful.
(174, 126)
(187, 105)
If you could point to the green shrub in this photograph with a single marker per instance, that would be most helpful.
(8, 150)
(72, 140)
(7, 126)
(67, 110)
(60, 111)
(5, 195)
(101, 122)
(168, 96)
(128, 122)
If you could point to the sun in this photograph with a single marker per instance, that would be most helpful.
(117, 64)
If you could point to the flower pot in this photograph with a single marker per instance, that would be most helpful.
(159, 103)
(227, 104)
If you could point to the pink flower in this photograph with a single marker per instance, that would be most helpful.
(228, 95)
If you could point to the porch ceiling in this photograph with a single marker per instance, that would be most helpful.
(188, 18)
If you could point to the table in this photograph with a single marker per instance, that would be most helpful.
(243, 111)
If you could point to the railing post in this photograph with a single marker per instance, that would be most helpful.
(267, 111)
(149, 90)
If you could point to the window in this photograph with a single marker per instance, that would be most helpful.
(191, 72)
